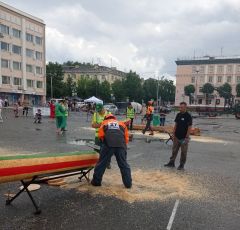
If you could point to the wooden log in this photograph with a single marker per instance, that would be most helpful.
(21, 167)
(166, 129)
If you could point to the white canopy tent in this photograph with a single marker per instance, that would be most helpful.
(93, 100)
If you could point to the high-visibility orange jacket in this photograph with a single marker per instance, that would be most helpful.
(150, 110)
(114, 133)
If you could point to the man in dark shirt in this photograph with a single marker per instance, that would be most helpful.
(181, 133)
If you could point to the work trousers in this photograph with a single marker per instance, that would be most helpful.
(148, 126)
(176, 146)
(106, 154)
(131, 124)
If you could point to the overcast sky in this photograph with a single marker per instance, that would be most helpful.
(143, 35)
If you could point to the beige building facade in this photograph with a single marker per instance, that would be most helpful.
(197, 72)
(102, 73)
(23, 64)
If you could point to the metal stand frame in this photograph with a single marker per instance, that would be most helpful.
(84, 173)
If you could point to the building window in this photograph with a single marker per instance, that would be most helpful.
(229, 79)
(238, 68)
(219, 79)
(193, 79)
(38, 40)
(4, 29)
(112, 78)
(201, 79)
(211, 69)
(16, 49)
(103, 77)
(29, 37)
(199, 101)
(39, 70)
(29, 53)
(38, 55)
(229, 68)
(17, 81)
(16, 33)
(4, 46)
(5, 63)
(202, 69)
(210, 79)
(220, 69)
(39, 84)
(194, 69)
(30, 83)
(238, 79)
(6, 80)
(17, 65)
(29, 68)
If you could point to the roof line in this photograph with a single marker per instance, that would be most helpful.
(11, 8)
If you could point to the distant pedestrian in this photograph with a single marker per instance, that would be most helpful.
(149, 118)
(16, 109)
(25, 108)
(163, 115)
(6, 104)
(181, 133)
(130, 114)
(52, 109)
(1, 105)
(65, 106)
(38, 117)
(59, 113)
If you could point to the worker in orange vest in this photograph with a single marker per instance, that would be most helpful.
(114, 136)
(149, 118)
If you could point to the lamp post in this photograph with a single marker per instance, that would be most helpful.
(196, 84)
(51, 86)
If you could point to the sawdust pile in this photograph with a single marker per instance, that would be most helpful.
(147, 186)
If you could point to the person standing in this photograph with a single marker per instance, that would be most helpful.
(65, 106)
(59, 113)
(1, 105)
(163, 115)
(181, 133)
(114, 136)
(52, 109)
(25, 108)
(130, 114)
(149, 118)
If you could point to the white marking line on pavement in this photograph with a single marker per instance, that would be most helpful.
(173, 215)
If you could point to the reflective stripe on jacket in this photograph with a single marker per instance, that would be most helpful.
(130, 112)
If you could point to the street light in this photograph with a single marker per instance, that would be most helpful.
(196, 89)
(51, 86)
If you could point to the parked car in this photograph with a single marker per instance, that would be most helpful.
(111, 108)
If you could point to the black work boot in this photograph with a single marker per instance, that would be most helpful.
(180, 167)
(170, 164)
(95, 184)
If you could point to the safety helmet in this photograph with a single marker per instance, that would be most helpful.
(99, 107)
(109, 116)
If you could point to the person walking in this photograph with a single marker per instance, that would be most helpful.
(114, 136)
(65, 106)
(59, 113)
(52, 109)
(25, 108)
(1, 106)
(149, 118)
(130, 114)
(181, 133)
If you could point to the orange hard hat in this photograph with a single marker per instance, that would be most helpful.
(109, 116)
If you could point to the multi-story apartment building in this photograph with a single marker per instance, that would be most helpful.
(101, 73)
(22, 69)
(214, 70)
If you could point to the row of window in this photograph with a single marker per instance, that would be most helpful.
(219, 79)
(18, 50)
(211, 69)
(6, 80)
(18, 34)
(18, 66)
(102, 77)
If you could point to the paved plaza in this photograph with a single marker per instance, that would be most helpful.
(205, 196)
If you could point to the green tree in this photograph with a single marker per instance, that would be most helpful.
(133, 87)
(238, 89)
(166, 90)
(118, 91)
(105, 91)
(225, 91)
(81, 88)
(150, 89)
(55, 71)
(69, 87)
(207, 89)
(189, 90)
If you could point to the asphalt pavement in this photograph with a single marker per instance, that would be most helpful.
(213, 164)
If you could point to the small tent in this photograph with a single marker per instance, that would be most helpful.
(93, 100)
